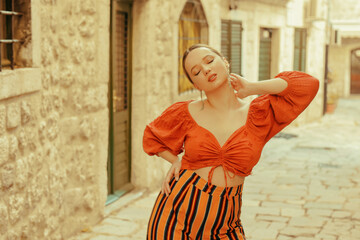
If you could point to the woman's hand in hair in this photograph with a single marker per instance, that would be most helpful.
(240, 85)
(173, 171)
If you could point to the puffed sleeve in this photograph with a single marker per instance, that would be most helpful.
(270, 113)
(167, 132)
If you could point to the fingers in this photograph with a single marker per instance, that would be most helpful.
(173, 171)
(166, 186)
(177, 170)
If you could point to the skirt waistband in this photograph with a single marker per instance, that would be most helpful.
(204, 186)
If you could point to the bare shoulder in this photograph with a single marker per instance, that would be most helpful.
(195, 106)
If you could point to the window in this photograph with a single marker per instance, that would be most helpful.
(14, 33)
(231, 35)
(300, 49)
(193, 29)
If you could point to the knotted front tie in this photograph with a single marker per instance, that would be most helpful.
(226, 171)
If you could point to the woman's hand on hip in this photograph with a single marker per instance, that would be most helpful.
(173, 171)
(240, 85)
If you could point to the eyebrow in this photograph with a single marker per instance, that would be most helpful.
(202, 60)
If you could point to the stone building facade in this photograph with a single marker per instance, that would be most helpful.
(344, 23)
(57, 106)
(54, 121)
(155, 69)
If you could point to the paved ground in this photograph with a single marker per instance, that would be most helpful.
(306, 187)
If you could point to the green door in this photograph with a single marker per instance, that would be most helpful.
(120, 104)
(265, 53)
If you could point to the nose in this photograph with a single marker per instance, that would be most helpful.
(206, 70)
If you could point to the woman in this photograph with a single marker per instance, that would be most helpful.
(223, 137)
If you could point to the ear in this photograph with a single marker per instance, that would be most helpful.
(226, 63)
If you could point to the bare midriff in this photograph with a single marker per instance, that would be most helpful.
(218, 178)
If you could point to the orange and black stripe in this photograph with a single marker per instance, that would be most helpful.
(195, 210)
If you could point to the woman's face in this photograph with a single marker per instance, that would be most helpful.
(206, 69)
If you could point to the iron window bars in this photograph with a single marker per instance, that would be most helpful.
(5, 15)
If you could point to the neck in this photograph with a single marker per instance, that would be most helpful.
(223, 98)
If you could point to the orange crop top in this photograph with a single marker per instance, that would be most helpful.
(175, 129)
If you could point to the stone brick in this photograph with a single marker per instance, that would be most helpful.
(292, 212)
(356, 216)
(22, 173)
(341, 214)
(25, 112)
(22, 139)
(77, 47)
(299, 231)
(119, 227)
(272, 218)
(4, 150)
(42, 131)
(307, 221)
(13, 115)
(90, 50)
(88, 6)
(31, 133)
(90, 199)
(319, 212)
(13, 147)
(16, 207)
(337, 225)
(13, 235)
(8, 176)
(86, 128)
(264, 234)
(318, 205)
(269, 211)
(2, 119)
(53, 126)
(85, 27)
(73, 199)
(3, 218)
(132, 213)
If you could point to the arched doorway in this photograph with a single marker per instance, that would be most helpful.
(355, 71)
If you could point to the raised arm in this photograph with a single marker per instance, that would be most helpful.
(283, 99)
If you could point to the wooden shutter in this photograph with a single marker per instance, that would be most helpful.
(231, 35)
(265, 54)
(300, 49)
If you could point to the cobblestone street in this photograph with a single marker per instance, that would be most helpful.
(306, 186)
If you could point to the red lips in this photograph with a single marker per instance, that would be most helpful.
(212, 77)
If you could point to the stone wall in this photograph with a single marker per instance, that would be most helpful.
(155, 60)
(345, 10)
(53, 137)
(345, 17)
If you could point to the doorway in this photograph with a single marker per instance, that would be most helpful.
(119, 166)
(355, 71)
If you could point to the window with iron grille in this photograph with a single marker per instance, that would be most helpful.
(15, 34)
(231, 40)
(300, 49)
(193, 28)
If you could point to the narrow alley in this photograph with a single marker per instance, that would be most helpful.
(306, 186)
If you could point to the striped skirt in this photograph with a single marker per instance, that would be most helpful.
(193, 211)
